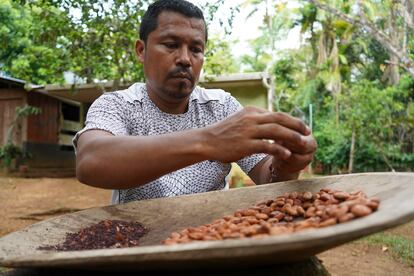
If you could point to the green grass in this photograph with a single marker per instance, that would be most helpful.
(3, 269)
(401, 248)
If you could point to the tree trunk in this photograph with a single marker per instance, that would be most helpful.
(352, 152)
(407, 12)
(392, 74)
(336, 110)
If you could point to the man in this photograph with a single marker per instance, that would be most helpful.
(170, 137)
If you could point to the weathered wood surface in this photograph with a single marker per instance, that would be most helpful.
(162, 216)
(309, 267)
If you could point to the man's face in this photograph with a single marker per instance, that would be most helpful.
(173, 56)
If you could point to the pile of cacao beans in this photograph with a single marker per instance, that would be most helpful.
(288, 213)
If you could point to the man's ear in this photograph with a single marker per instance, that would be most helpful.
(140, 50)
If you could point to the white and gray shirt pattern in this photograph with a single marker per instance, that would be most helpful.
(131, 112)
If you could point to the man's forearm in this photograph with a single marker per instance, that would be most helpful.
(122, 162)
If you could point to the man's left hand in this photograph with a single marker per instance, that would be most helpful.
(301, 155)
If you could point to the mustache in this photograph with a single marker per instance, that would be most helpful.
(181, 72)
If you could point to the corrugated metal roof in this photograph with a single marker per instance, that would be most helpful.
(7, 82)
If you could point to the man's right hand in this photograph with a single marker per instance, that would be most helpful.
(249, 130)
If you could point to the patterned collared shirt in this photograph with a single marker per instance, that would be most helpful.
(132, 112)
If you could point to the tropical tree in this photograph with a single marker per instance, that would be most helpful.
(362, 103)
(93, 39)
(390, 33)
(219, 59)
(32, 39)
(276, 24)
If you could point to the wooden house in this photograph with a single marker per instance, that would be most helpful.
(46, 137)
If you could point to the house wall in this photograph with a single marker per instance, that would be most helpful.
(44, 127)
(42, 155)
(44, 138)
(247, 93)
(10, 98)
(42, 142)
(250, 96)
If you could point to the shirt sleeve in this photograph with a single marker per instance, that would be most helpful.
(106, 113)
(249, 162)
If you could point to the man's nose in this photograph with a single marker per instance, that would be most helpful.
(183, 57)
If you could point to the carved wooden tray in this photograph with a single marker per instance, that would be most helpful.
(163, 216)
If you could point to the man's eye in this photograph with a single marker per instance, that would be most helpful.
(171, 45)
(196, 50)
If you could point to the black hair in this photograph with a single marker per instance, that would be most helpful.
(150, 20)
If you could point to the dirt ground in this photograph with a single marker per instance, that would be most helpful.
(27, 201)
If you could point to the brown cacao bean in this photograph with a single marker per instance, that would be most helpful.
(360, 210)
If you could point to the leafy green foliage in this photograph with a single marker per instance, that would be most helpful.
(40, 40)
(219, 58)
(30, 36)
(341, 70)
(8, 152)
(26, 110)
(379, 117)
(102, 39)
(261, 57)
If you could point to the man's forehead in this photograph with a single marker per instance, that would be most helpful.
(171, 22)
